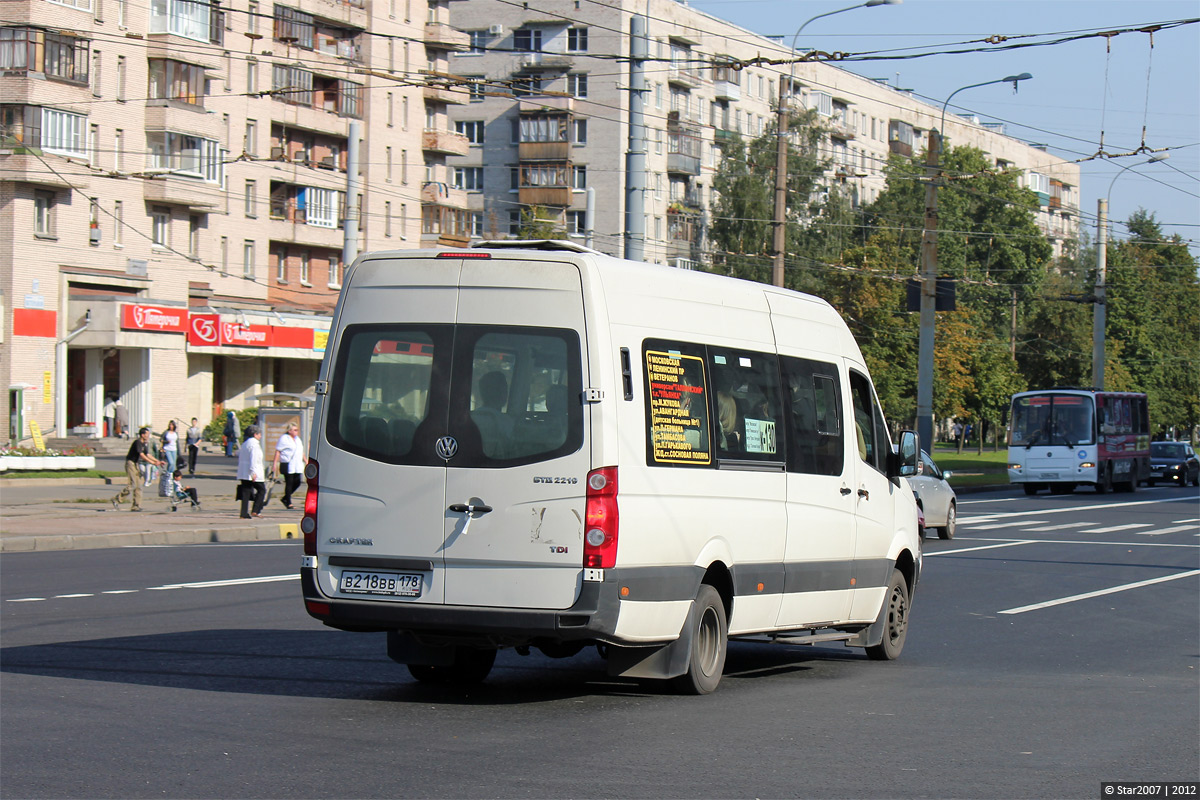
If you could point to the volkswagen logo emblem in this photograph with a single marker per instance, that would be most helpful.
(446, 447)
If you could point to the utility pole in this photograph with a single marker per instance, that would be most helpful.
(635, 157)
(1098, 309)
(353, 187)
(929, 260)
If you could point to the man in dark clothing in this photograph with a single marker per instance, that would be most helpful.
(139, 451)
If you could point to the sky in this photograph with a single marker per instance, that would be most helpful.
(1079, 88)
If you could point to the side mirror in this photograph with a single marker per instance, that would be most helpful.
(903, 462)
(946, 475)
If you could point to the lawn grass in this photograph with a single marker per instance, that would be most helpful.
(971, 468)
(61, 473)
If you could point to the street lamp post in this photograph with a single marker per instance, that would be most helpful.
(1099, 310)
(781, 148)
(929, 268)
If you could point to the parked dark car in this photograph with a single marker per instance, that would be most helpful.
(1174, 461)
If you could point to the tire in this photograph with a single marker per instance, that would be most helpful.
(894, 616)
(1104, 485)
(471, 665)
(947, 531)
(710, 641)
(1150, 481)
(1031, 488)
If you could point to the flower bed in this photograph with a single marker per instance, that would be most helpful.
(27, 458)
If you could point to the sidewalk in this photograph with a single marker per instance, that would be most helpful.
(76, 513)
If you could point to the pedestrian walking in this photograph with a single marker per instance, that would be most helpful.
(289, 462)
(194, 434)
(122, 416)
(251, 474)
(232, 432)
(170, 446)
(139, 453)
(110, 417)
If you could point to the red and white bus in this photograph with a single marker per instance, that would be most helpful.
(1060, 438)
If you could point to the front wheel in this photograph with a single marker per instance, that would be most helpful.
(894, 616)
(471, 665)
(710, 640)
(1104, 485)
(1031, 488)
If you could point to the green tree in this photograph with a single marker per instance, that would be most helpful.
(538, 222)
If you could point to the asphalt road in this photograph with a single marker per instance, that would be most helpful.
(1055, 644)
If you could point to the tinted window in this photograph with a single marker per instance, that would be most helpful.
(869, 429)
(507, 395)
(814, 395)
(747, 409)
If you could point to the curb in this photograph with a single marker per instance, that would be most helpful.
(37, 483)
(96, 541)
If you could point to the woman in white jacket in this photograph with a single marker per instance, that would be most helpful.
(251, 474)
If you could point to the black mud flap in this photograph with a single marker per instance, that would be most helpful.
(403, 648)
(656, 661)
(872, 635)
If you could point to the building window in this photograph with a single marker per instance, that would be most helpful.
(526, 85)
(468, 178)
(251, 76)
(248, 142)
(476, 88)
(43, 214)
(387, 164)
(292, 85)
(322, 206)
(118, 223)
(57, 56)
(188, 156)
(404, 166)
(514, 222)
(248, 259)
(192, 19)
(224, 255)
(527, 40)
(160, 226)
(479, 40)
(64, 134)
(335, 270)
(580, 177)
(251, 199)
(175, 80)
(294, 27)
(304, 268)
(387, 218)
(96, 89)
(580, 131)
(577, 84)
(280, 259)
(576, 223)
(472, 129)
(121, 72)
(195, 224)
(475, 224)
(85, 5)
(577, 40)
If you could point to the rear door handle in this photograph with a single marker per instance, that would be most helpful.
(464, 508)
(864, 494)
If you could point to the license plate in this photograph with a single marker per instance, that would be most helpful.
(395, 584)
(1156, 474)
(1048, 475)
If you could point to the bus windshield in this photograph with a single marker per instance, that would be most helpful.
(1047, 419)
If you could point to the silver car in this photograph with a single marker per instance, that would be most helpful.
(934, 495)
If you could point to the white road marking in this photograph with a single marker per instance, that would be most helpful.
(1115, 528)
(1161, 531)
(984, 547)
(231, 582)
(1065, 510)
(1076, 541)
(1193, 519)
(1063, 527)
(991, 526)
(196, 585)
(1088, 595)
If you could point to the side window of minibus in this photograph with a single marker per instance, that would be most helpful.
(677, 404)
(870, 433)
(814, 396)
(747, 405)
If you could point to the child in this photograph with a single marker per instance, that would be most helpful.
(180, 488)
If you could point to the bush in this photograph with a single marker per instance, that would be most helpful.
(216, 429)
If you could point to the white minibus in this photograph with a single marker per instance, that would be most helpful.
(535, 445)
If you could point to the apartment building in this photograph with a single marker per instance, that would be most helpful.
(173, 192)
(548, 111)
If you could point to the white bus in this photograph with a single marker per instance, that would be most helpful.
(549, 447)
(1062, 438)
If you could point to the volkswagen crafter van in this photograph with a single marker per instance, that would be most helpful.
(537, 445)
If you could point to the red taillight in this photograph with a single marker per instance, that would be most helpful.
(601, 519)
(308, 525)
(317, 608)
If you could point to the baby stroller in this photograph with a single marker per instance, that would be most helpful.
(181, 497)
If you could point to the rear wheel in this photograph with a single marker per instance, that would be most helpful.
(947, 530)
(471, 665)
(894, 615)
(710, 640)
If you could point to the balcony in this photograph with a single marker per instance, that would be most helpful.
(727, 90)
(455, 96)
(722, 136)
(544, 196)
(443, 194)
(685, 77)
(840, 129)
(529, 62)
(543, 151)
(186, 192)
(447, 142)
(18, 164)
(440, 36)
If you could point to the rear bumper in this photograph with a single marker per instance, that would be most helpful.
(593, 616)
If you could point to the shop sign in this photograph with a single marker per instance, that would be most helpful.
(154, 318)
(237, 335)
(204, 330)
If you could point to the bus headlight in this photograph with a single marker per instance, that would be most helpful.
(1015, 467)
(1087, 465)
